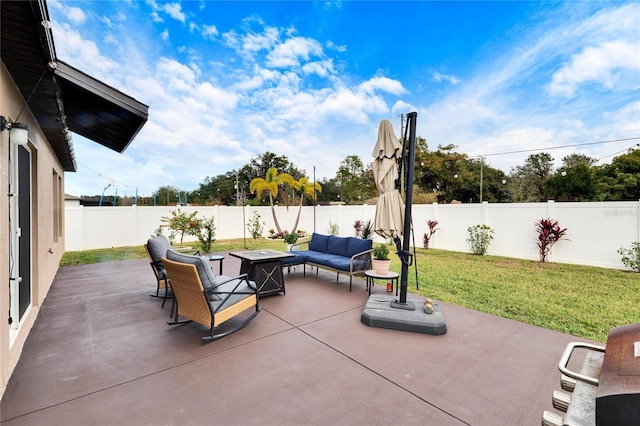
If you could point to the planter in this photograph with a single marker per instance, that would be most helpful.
(289, 246)
(381, 266)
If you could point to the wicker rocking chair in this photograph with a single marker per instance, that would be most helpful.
(202, 297)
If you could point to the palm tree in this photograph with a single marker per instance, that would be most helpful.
(306, 188)
(271, 183)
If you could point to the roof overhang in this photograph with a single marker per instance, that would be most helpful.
(62, 98)
(97, 111)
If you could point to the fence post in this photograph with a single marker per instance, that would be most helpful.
(484, 212)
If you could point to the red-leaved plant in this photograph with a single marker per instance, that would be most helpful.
(432, 230)
(549, 233)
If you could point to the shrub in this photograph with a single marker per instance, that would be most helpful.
(631, 257)
(479, 238)
(333, 229)
(255, 227)
(549, 233)
(181, 223)
(432, 230)
(290, 238)
(207, 233)
(381, 252)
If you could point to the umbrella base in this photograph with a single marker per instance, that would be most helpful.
(379, 312)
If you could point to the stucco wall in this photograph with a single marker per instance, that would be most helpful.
(44, 264)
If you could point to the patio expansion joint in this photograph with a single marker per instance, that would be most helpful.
(350, 358)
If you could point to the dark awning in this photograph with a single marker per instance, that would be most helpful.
(97, 111)
(61, 97)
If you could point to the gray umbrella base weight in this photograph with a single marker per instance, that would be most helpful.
(378, 312)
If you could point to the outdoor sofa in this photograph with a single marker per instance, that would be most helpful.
(344, 255)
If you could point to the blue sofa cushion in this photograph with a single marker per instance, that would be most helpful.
(338, 245)
(357, 245)
(319, 242)
(330, 260)
(297, 259)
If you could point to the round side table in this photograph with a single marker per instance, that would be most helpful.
(371, 275)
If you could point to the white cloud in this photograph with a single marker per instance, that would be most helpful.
(209, 31)
(438, 77)
(331, 45)
(321, 68)
(175, 11)
(293, 51)
(610, 64)
(82, 54)
(384, 84)
(165, 35)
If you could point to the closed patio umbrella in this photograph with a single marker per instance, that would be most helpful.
(389, 218)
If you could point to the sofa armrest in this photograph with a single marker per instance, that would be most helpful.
(301, 244)
(360, 261)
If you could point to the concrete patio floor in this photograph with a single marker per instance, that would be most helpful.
(101, 353)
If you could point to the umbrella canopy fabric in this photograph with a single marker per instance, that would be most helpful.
(389, 218)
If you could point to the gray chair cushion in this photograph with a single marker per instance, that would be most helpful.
(158, 247)
(207, 277)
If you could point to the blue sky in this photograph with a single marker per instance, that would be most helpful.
(227, 81)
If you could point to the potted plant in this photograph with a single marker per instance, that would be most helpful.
(381, 261)
(290, 239)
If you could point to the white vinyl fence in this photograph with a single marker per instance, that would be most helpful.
(595, 230)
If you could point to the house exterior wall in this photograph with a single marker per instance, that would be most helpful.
(47, 247)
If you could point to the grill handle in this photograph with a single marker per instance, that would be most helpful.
(562, 365)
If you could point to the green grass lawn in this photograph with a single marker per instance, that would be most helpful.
(580, 300)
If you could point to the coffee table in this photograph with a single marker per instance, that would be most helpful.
(264, 267)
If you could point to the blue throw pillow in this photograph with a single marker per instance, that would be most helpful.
(338, 245)
(358, 245)
(319, 242)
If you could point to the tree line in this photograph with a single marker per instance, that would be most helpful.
(442, 175)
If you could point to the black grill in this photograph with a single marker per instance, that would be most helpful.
(606, 391)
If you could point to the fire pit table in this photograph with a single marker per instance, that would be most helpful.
(264, 267)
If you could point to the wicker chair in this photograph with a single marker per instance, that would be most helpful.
(202, 297)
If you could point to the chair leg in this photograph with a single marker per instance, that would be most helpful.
(350, 281)
(166, 291)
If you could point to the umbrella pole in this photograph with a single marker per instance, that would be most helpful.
(406, 257)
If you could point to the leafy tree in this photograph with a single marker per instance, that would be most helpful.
(574, 180)
(528, 182)
(356, 182)
(330, 190)
(620, 180)
(167, 195)
(438, 171)
(271, 184)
